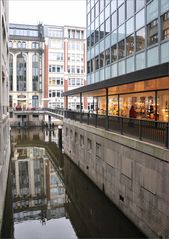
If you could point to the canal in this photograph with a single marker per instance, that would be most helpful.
(49, 197)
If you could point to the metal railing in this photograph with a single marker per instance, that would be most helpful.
(154, 132)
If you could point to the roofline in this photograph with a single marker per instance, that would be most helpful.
(153, 72)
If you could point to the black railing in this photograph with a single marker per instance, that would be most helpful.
(147, 130)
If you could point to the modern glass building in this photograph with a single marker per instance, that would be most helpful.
(127, 57)
(125, 36)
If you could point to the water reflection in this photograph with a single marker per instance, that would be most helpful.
(52, 198)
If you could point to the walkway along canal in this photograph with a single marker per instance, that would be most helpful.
(48, 196)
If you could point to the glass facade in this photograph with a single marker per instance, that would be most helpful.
(118, 29)
(149, 102)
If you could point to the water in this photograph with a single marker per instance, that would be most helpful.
(49, 197)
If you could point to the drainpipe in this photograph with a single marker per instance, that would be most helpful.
(81, 107)
(66, 106)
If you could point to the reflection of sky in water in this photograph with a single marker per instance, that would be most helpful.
(55, 228)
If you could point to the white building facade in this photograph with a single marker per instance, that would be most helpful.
(26, 63)
(4, 115)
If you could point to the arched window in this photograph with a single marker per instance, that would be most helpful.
(35, 72)
(23, 44)
(10, 72)
(21, 73)
(19, 44)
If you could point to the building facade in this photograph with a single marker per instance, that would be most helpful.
(4, 115)
(26, 63)
(125, 37)
(65, 50)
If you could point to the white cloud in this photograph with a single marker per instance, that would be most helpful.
(54, 12)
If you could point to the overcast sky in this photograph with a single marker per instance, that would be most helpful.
(49, 12)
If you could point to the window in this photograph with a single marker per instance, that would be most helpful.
(35, 73)
(35, 45)
(139, 4)
(102, 31)
(152, 32)
(55, 69)
(114, 53)
(140, 39)
(21, 72)
(107, 26)
(165, 26)
(102, 59)
(114, 21)
(97, 62)
(107, 56)
(130, 45)
(121, 14)
(96, 35)
(129, 8)
(121, 49)
(10, 72)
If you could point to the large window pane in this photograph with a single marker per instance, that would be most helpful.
(152, 57)
(152, 32)
(107, 26)
(101, 31)
(102, 60)
(130, 26)
(97, 62)
(165, 26)
(107, 56)
(130, 45)
(165, 52)
(121, 32)
(140, 61)
(113, 5)
(163, 105)
(139, 4)
(152, 10)
(113, 105)
(140, 19)
(121, 49)
(114, 21)
(114, 53)
(130, 64)
(121, 14)
(129, 8)
(97, 9)
(164, 5)
(114, 37)
(121, 67)
(107, 11)
(140, 39)
(96, 33)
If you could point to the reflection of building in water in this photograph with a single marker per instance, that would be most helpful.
(22, 134)
(38, 192)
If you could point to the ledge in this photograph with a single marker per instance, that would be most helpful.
(156, 151)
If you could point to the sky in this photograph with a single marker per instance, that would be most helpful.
(49, 12)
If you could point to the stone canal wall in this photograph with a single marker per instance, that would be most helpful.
(133, 174)
(4, 163)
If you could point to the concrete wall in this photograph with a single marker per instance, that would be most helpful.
(4, 163)
(133, 174)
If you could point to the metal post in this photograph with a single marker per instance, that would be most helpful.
(140, 129)
(167, 136)
(60, 137)
(80, 107)
(107, 109)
